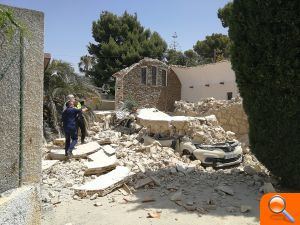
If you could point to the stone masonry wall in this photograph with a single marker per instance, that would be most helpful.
(130, 87)
(230, 113)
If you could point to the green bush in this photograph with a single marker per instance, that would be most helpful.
(130, 104)
(265, 56)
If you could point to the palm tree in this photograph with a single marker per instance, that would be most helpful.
(86, 64)
(61, 80)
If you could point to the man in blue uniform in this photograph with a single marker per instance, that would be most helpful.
(69, 117)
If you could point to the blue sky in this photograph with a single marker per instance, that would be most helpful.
(68, 22)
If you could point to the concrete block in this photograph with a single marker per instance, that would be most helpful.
(101, 163)
(105, 183)
(81, 151)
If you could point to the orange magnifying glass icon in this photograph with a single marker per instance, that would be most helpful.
(277, 205)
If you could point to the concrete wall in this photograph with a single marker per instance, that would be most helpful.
(194, 79)
(19, 206)
(21, 85)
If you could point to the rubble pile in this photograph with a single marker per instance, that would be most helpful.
(58, 180)
(230, 113)
(204, 130)
(208, 131)
(203, 107)
(133, 166)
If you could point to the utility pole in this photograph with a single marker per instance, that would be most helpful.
(174, 44)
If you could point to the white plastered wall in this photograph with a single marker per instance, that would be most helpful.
(194, 79)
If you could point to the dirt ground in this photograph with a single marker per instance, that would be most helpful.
(136, 213)
(212, 207)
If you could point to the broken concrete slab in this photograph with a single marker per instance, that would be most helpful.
(81, 151)
(101, 163)
(105, 183)
(108, 149)
(47, 164)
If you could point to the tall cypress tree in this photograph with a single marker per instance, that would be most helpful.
(265, 56)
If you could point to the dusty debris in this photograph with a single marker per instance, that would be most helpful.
(94, 196)
(97, 204)
(141, 167)
(76, 197)
(267, 188)
(225, 189)
(190, 207)
(55, 200)
(231, 209)
(245, 208)
(105, 141)
(143, 182)
(177, 196)
(148, 199)
(154, 214)
(47, 164)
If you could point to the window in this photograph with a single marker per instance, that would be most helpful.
(229, 95)
(154, 75)
(144, 75)
(164, 78)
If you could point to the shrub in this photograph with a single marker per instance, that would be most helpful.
(265, 56)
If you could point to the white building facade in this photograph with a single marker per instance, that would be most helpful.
(211, 80)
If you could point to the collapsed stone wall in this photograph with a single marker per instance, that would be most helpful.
(230, 113)
(206, 130)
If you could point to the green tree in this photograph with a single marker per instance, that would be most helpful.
(187, 58)
(214, 47)
(175, 57)
(192, 58)
(224, 14)
(61, 80)
(86, 64)
(121, 41)
(265, 57)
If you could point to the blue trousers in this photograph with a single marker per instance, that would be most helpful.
(70, 133)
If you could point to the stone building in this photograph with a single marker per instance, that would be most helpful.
(150, 83)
